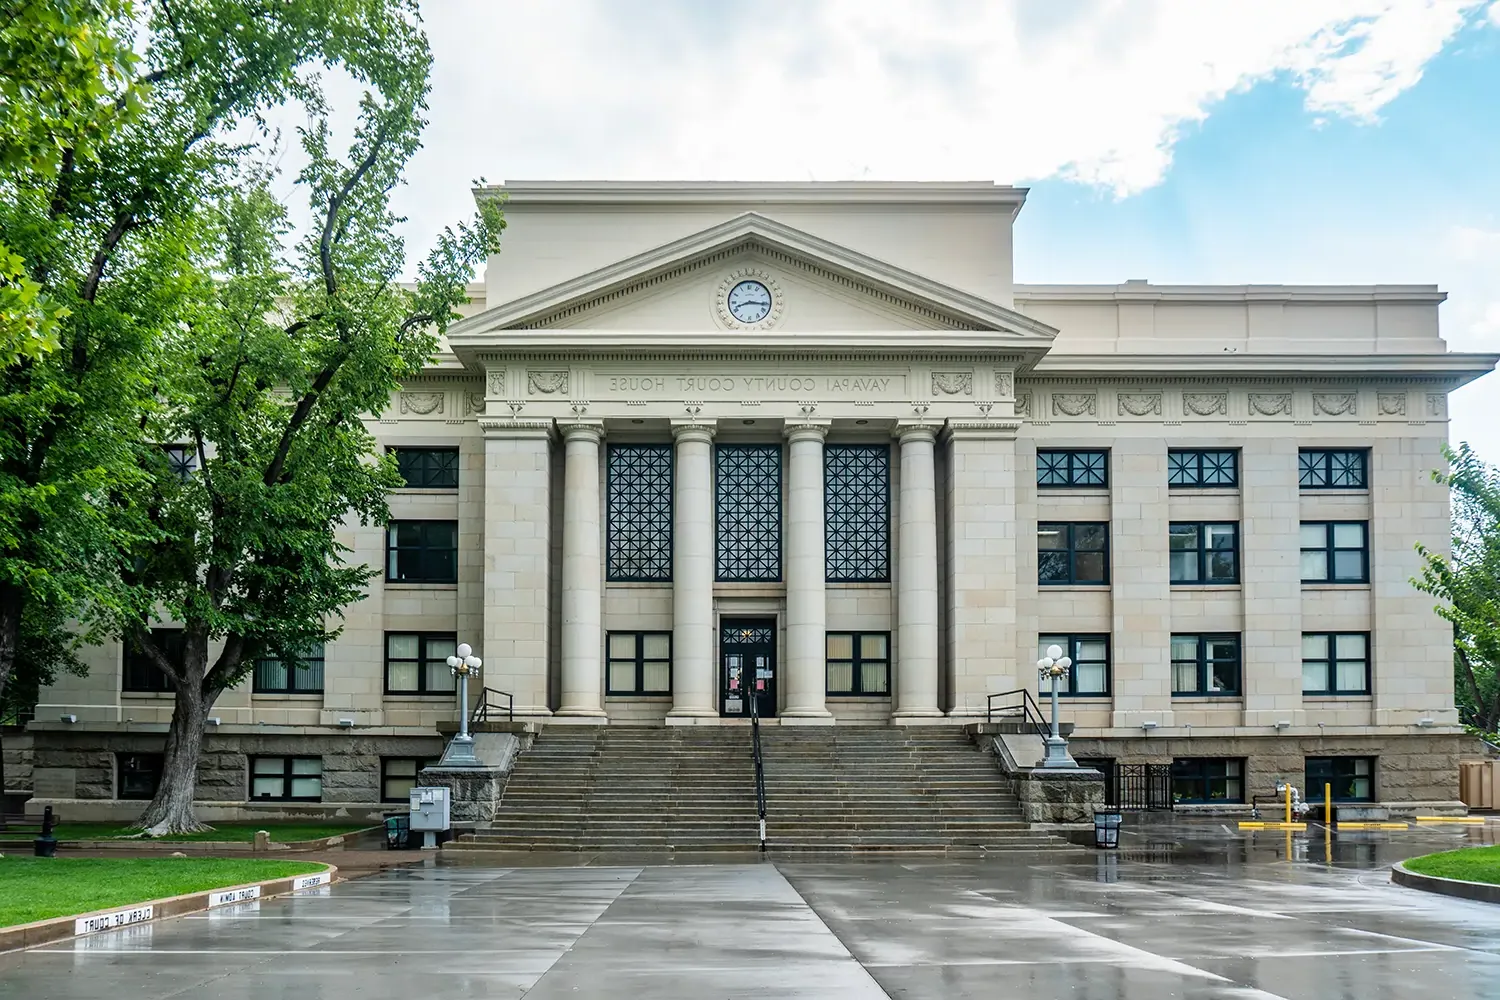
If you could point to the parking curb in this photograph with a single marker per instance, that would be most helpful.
(56, 929)
(1484, 892)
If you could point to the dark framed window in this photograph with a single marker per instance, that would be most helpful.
(1335, 552)
(276, 676)
(286, 779)
(638, 512)
(417, 662)
(1057, 467)
(1205, 665)
(858, 663)
(857, 512)
(428, 468)
(1088, 677)
(1204, 552)
(422, 552)
(1072, 553)
(398, 776)
(139, 675)
(1335, 663)
(1333, 469)
(1208, 780)
(639, 663)
(1352, 778)
(1201, 467)
(182, 460)
(138, 775)
(747, 508)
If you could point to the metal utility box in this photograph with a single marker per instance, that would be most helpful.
(429, 809)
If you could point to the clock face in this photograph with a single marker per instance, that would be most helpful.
(749, 302)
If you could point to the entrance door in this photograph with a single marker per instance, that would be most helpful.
(747, 666)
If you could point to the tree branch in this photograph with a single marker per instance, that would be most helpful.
(143, 641)
(325, 242)
(124, 223)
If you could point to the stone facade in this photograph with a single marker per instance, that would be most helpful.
(892, 321)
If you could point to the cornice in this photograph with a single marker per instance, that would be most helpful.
(1143, 292)
(584, 194)
(1464, 367)
(895, 354)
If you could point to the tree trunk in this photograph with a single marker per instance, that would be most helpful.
(171, 811)
(12, 601)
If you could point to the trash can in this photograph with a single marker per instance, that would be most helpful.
(1107, 828)
(397, 831)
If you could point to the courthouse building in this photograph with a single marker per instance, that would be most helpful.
(809, 444)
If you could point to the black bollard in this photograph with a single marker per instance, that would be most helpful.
(45, 846)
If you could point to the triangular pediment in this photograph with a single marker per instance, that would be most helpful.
(825, 286)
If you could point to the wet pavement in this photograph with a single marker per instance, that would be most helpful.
(1189, 912)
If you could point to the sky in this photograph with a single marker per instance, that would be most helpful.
(1181, 141)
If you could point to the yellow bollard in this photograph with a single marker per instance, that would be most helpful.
(1288, 801)
(1328, 803)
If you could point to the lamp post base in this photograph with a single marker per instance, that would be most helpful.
(460, 753)
(1057, 754)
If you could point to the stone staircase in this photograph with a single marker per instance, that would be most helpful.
(693, 789)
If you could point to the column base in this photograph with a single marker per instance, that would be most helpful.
(578, 720)
(808, 719)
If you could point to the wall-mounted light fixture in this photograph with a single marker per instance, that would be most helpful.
(1148, 726)
(346, 723)
(69, 718)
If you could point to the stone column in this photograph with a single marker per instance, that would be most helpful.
(517, 544)
(694, 673)
(917, 579)
(582, 570)
(806, 573)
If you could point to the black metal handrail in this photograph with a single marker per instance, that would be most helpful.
(760, 767)
(492, 702)
(1026, 708)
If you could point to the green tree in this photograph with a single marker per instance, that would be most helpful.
(270, 380)
(1468, 583)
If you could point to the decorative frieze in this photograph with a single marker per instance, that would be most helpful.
(1023, 404)
(1075, 404)
(1139, 404)
(494, 383)
(953, 383)
(1005, 384)
(1334, 404)
(1392, 404)
(547, 383)
(473, 403)
(421, 403)
(1437, 404)
(1271, 404)
(1205, 404)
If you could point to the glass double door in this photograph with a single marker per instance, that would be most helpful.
(747, 667)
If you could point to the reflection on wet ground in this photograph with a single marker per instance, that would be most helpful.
(1191, 910)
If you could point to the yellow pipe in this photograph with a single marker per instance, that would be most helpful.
(1328, 802)
(1475, 820)
(1288, 801)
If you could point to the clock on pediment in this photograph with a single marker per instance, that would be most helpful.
(748, 298)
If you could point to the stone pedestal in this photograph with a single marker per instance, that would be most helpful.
(474, 792)
(1051, 795)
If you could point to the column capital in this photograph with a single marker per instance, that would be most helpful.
(582, 430)
(808, 430)
(915, 431)
(512, 427)
(693, 431)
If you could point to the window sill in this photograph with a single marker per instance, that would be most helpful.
(419, 695)
(846, 696)
(1204, 491)
(638, 584)
(287, 695)
(1094, 588)
(662, 696)
(1078, 699)
(1332, 491)
(1324, 698)
(1207, 586)
(1329, 585)
(407, 585)
(148, 694)
(425, 491)
(1207, 699)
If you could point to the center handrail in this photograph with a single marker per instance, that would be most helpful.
(760, 767)
(1027, 709)
(493, 701)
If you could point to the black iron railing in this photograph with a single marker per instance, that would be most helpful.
(1142, 787)
(1021, 706)
(760, 767)
(492, 704)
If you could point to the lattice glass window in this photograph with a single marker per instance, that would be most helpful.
(1071, 467)
(1202, 468)
(857, 512)
(428, 468)
(182, 460)
(747, 505)
(1330, 469)
(639, 545)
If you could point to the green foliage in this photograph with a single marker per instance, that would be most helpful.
(242, 833)
(1473, 864)
(40, 888)
(1468, 583)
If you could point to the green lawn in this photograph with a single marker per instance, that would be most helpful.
(38, 888)
(1473, 864)
(281, 833)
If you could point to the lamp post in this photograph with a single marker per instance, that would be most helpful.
(460, 752)
(1055, 665)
